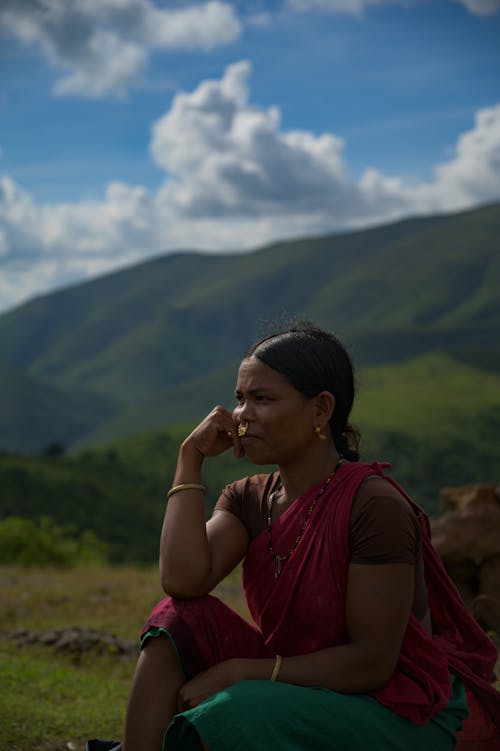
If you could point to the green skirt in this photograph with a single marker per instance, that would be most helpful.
(261, 715)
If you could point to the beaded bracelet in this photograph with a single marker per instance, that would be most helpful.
(277, 666)
(185, 486)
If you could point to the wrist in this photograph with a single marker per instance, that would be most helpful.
(277, 667)
(237, 671)
(189, 462)
(247, 669)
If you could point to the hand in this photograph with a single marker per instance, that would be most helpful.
(208, 683)
(215, 434)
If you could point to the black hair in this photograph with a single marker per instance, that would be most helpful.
(314, 360)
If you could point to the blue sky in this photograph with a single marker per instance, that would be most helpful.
(130, 128)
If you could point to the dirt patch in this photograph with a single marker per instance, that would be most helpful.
(74, 640)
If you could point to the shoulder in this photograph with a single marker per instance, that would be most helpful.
(375, 490)
(245, 499)
(243, 494)
(383, 524)
(252, 486)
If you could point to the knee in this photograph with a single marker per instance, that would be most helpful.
(172, 607)
(157, 646)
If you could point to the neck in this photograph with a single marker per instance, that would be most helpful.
(298, 477)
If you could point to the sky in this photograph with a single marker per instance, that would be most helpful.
(132, 128)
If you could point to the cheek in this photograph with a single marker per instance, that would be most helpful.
(296, 429)
(281, 430)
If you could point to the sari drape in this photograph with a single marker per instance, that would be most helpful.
(303, 610)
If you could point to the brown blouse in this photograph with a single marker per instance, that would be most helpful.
(383, 526)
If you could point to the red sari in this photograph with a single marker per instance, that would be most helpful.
(303, 610)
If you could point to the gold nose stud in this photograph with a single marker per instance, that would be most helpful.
(242, 429)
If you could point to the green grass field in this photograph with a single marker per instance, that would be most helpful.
(53, 701)
(431, 397)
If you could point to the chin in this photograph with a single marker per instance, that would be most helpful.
(260, 457)
(263, 462)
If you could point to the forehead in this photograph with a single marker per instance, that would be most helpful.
(253, 374)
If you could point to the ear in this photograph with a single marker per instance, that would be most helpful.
(324, 406)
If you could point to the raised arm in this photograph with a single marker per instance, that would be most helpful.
(194, 555)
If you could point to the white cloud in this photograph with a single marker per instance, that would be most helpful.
(470, 177)
(46, 246)
(339, 6)
(204, 26)
(234, 179)
(356, 7)
(232, 159)
(110, 64)
(474, 174)
(481, 7)
(105, 44)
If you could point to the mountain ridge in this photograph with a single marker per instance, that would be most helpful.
(157, 330)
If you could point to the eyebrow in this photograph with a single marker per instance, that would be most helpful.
(252, 392)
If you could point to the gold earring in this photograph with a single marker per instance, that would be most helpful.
(242, 429)
(318, 432)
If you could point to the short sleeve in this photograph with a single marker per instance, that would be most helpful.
(245, 499)
(231, 499)
(383, 526)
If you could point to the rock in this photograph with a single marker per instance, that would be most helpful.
(467, 538)
(480, 494)
(486, 611)
(468, 534)
(76, 641)
(489, 577)
(464, 575)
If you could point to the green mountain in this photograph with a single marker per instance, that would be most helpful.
(159, 342)
(436, 420)
(118, 369)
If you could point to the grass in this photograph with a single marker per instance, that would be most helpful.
(47, 702)
(111, 599)
(428, 396)
(55, 702)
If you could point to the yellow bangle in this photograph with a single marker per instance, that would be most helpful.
(185, 486)
(277, 666)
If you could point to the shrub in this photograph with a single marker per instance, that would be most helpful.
(38, 542)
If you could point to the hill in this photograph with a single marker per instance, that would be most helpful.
(437, 422)
(158, 342)
(118, 491)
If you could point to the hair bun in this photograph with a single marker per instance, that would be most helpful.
(347, 443)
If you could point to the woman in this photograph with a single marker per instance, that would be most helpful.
(360, 640)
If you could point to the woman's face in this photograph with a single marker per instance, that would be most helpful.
(280, 419)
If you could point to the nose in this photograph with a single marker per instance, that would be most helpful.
(241, 412)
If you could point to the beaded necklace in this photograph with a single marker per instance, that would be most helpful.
(279, 559)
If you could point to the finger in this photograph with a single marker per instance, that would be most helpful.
(238, 449)
(216, 425)
(221, 413)
(223, 421)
